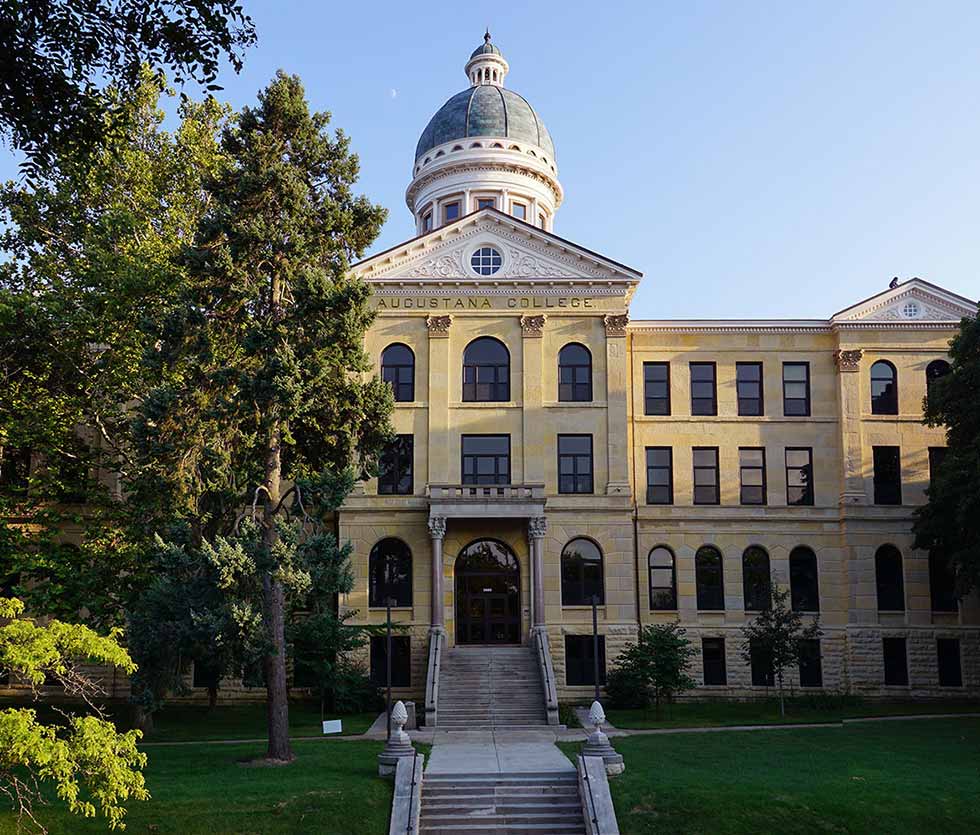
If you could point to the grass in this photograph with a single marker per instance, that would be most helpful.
(907, 777)
(332, 787)
(766, 712)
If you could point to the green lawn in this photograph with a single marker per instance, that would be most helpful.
(766, 712)
(332, 787)
(909, 777)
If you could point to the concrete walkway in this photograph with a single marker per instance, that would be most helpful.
(498, 751)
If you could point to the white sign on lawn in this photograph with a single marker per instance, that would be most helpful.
(332, 726)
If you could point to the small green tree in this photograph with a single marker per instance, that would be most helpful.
(778, 635)
(653, 669)
(87, 761)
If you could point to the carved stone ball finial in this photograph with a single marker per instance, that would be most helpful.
(848, 360)
(398, 745)
(597, 716)
(598, 745)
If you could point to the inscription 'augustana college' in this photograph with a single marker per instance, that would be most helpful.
(482, 303)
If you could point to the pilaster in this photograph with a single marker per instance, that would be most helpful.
(616, 394)
(440, 367)
(535, 442)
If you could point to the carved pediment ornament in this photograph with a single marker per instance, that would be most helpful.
(438, 325)
(616, 324)
(532, 325)
(848, 360)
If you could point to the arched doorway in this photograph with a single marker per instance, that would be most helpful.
(488, 594)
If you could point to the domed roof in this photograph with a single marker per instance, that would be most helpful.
(486, 110)
(486, 48)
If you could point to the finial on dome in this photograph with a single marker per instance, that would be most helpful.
(486, 65)
(486, 36)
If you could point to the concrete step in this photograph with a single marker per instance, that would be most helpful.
(497, 828)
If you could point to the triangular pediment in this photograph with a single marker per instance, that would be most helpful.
(912, 301)
(527, 254)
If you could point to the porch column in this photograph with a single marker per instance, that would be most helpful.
(437, 530)
(536, 530)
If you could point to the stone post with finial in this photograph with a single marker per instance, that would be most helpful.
(598, 744)
(399, 743)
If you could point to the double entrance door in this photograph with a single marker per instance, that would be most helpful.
(488, 594)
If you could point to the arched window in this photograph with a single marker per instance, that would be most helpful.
(756, 580)
(942, 583)
(803, 585)
(486, 371)
(398, 369)
(663, 579)
(575, 374)
(581, 573)
(884, 389)
(935, 370)
(390, 573)
(709, 579)
(889, 580)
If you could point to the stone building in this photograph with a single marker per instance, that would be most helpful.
(551, 450)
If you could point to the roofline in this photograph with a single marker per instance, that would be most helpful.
(941, 290)
(509, 219)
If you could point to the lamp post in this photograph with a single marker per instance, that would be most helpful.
(388, 645)
(595, 643)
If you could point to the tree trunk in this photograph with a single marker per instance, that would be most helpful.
(212, 696)
(782, 702)
(274, 610)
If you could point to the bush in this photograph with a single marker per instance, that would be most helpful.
(626, 687)
(353, 691)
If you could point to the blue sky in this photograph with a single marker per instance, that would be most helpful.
(751, 159)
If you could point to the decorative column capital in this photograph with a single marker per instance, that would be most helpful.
(616, 324)
(537, 527)
(848, 360)
(437, 527)
(532, 325)
(438, 325)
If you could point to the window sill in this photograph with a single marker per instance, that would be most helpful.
(582, 607)
(414, 404)
(394, 609)
(485, 404)
(575, 404)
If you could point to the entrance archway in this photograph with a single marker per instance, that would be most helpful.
(488, 594)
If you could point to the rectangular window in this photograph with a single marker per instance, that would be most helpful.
(575, 464)
(486, 459)
(579, 660)
(948, 656)
(811, 667)
(542, 221)
(942, 583)
(713, 658)
(896, 662)
(486, 203)
(796, 389)
(427, 222)
(450, 211)
(937, 454)
(760, 659)
(752, 475)
(799, 476)
(706, 489)
(518, 210)
(395, 471)
(887, 474)
(748, 384)
(660, 475)
(656, 388)
(704, 394)
(401, 661)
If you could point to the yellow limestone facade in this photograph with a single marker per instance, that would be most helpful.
(486, 265)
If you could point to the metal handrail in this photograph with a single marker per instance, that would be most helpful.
(592, 809)
(409, 827)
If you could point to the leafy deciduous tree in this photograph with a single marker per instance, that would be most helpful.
(655, 668)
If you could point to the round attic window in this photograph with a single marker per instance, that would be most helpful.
(486, 260)
(910, 310)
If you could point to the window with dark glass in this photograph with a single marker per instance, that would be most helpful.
(580, 660)
(581, 573)
(704, 394)
(73, 479)
(709, 579)
(519, 210)
(574, 374)
(887, 474)
(656, 388)
(948, 657)
(486, 459)
(713, 659)
(706, 487)
(390, 574)
(752, 475)
(15, 469)
(660, 475)
(748, 383)
(796, 389)
(663, 579)
(760, 661)
(942, 583)
(486, 371)
(884, 389)
(575, 464)
(486, 203)
(398, 370)
(427, 222)
(799, 476)
(811, 666)
(803, 581)
(450, 212)
(395, 467)
(756, 579)
(937, 454)
(401, 661)
(896, 662)
(889, 581)
(935, 370)
(486, 261)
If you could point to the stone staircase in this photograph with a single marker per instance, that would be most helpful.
(532, 803)
(487, 687)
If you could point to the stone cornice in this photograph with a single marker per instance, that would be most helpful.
(450, 168)
(788, 326)
(465, 287)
